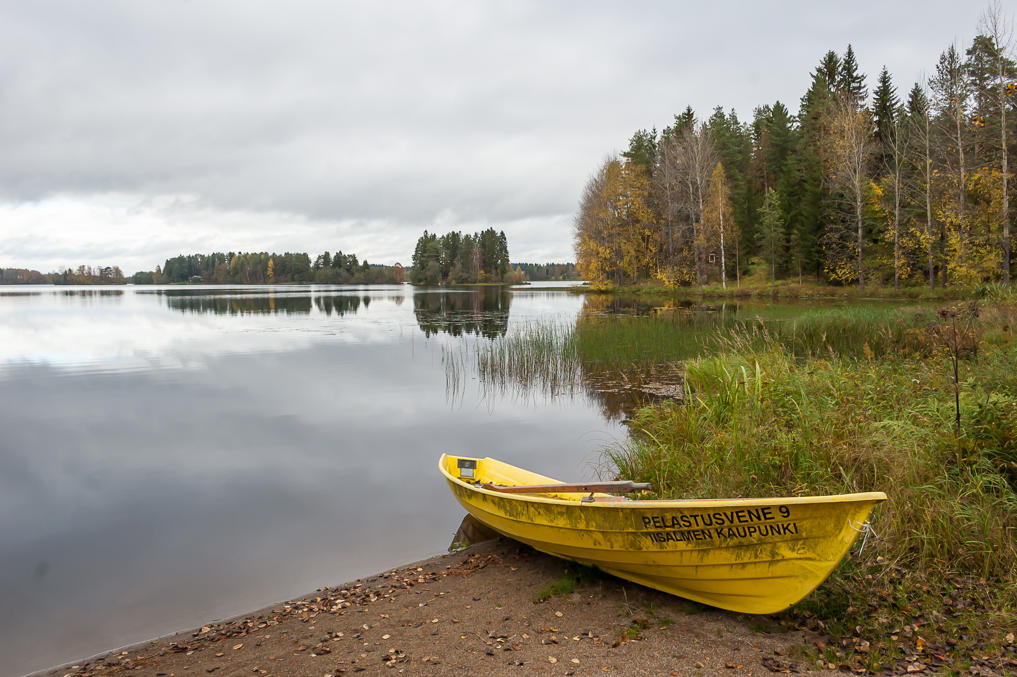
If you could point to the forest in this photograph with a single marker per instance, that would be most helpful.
(454, 258)
(544, 272)
(896, 188)
(265, 268)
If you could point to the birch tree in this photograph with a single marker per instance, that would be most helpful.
(718, 224)
(697, 158)
(851, 146)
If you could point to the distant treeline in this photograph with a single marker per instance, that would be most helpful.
(265, 268)
(82, 275)
(461, 259)
(545, 272)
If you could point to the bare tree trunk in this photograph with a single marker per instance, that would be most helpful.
(1006, 192)
(896, 232)
(961, 176)
(899, 145)
(996, 25)
(738, 263)
(695, 229)
(858, 218)
(723, 267)
(852, 144)
(928, 206)
(698, 163)
(699, 254)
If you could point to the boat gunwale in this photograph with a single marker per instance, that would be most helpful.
(874, 496)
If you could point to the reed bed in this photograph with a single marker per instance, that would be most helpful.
(870, 331)
(535, 356)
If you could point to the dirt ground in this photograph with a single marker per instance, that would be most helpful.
(471, 613)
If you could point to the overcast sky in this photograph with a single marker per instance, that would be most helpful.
(137, 130)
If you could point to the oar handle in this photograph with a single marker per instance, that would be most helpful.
(622, 487)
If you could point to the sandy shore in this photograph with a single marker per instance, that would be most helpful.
(473, 612)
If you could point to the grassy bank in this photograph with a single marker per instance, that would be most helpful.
(861, 400)
(836, 399)
(758, 286)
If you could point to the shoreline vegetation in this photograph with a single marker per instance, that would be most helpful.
(755, 288)
(918, 401)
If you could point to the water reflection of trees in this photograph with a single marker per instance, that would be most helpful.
(562, 360)
(287, 304)
(91, 293)
(483, 312)
(340, 305)
(621, 391)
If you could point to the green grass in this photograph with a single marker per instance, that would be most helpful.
(856, 330)
(793, 411)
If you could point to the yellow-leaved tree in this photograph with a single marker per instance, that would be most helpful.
(596, 242)
(638, 232)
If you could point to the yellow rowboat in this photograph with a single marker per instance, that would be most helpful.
(750, 555)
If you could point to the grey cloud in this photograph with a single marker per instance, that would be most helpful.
(395, 113)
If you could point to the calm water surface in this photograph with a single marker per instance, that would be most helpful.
(174, 455)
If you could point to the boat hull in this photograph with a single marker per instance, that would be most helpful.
(747, 555)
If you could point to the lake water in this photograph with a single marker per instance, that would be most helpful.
(175, 455)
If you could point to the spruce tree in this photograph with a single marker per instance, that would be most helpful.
(828, 69)
(850, 82)
(884, 109)
(810, 189)
(642, 149)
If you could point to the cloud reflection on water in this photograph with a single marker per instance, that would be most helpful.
(294, 450)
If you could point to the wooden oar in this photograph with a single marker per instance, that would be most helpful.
(622, 487)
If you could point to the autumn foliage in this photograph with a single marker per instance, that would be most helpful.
(852, 189)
